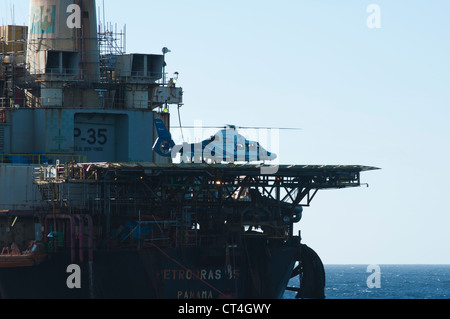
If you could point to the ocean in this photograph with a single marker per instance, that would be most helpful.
(384, 282)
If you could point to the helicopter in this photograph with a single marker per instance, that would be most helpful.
(226, 146)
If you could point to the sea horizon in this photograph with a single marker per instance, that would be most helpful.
(384, 281)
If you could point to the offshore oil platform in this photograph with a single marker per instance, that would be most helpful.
(90, 209)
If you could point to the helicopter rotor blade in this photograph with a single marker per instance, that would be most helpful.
(240, 127)
(270, 128)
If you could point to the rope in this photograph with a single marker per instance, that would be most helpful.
(179, 120)
(186, 269)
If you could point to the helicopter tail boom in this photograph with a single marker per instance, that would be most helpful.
(164, 144)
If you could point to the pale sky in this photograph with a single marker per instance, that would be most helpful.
(364, 96)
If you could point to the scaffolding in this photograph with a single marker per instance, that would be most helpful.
(12, 64)
(112, 43)
(117, 81)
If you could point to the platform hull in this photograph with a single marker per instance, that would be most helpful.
(261, 271)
